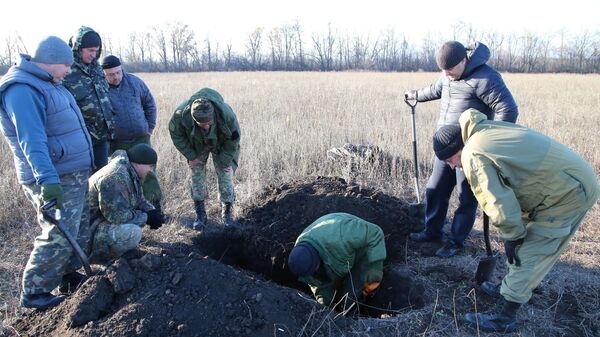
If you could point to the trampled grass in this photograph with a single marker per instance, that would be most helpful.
(290, 120)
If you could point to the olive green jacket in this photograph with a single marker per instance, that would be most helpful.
(344, 243)
(524, 180)
(223, 140)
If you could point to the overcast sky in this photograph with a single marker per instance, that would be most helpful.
(232, 20)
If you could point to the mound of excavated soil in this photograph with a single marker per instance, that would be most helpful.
(191, 290)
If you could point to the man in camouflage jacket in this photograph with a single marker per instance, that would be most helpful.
(118, 208)
(204, 124)
(90, 89)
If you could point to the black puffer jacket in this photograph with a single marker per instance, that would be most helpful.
(481, 87)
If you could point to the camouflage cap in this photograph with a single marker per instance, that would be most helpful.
(203, 111)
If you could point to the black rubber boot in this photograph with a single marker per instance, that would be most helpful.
(200, 221)
(227, 214)
(70, 282)
(491, 289)
(40, 301)
(505, 321)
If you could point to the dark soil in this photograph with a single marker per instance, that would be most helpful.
(234, 282)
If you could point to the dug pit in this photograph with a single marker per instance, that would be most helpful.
(270, 226)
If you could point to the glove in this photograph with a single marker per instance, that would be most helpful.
(369, 288)
(52, 192)
(155, 219)
(511, 251)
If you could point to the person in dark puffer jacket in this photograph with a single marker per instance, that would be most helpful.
(467, 82)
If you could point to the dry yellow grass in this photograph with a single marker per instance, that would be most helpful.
(289, 120)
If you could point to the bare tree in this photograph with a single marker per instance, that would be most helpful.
(254, 48)
(300, 61)
(160, 41)
(324, 47)
(182, 43)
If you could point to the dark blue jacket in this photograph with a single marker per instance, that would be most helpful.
(480, 87)
(43, 125)
(134, 108)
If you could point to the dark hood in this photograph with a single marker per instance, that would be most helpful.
(477, 55)
(75, 43)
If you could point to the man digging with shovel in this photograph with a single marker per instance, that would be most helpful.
(467, 82)
(535, 190)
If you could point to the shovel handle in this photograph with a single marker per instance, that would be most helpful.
(486, 234)
(59, 223)
(408, 102)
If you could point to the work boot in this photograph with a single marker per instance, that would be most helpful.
(491, 289)
(200, 220)
(70, 282)
(423, 237)
(449, 249)
(40, 301)
(505, 321)
(227, 214)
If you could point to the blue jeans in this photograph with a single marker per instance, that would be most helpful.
(442, 181)
(100, 148)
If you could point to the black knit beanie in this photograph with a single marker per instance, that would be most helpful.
(142, 154)
(447, 141)
(110, 61)
(303, 260)
(450, 54)
(90, 39)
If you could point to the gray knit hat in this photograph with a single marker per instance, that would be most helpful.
(447, 141)
(53, 50)
(303, 260)
(203, 111)
(142, 154)
(450, 54)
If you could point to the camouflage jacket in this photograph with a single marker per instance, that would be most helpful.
(88, 85)
(115, 194)
(223, 139)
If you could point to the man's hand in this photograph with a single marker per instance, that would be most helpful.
(52, 192)
(410, 95)
(155, 219)
(511, 251)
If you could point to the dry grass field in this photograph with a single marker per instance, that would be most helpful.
(290, 120)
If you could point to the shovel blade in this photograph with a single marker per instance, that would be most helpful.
(417, 210)
(485, 269)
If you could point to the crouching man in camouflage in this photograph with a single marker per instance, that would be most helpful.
(202, 125)
(118, 209)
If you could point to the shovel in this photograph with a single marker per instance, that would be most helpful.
(416, 210)
(487, 265)
(57, 220)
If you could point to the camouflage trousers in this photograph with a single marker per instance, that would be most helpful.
(538, 254)
(224, 179)
(52, 256)
(112, 241)
(150, 185)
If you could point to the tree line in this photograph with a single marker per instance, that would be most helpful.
(174, 47)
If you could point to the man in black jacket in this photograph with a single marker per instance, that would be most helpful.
(467, 82)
